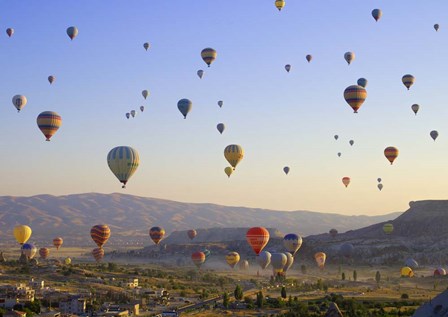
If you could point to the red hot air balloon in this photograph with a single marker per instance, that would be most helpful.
(346, 181)
(57, 242)
(192, 234)
(98, 254)
(100, 234)
(258, 238)
(44, 253)
(198, 259)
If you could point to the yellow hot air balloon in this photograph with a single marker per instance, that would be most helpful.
(208, 55)
(388, 228)
(123, 161)
(279, 4)
(67, 261)
(22, 233)
(406, 271)
(320, 258)
(234, 154)
(228, 170)
(232, 259)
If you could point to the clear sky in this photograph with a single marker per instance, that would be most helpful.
(279, 118)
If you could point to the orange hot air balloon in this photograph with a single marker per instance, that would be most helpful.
(156, 234)
(192, 234)
(391, 153)
(57, 242)
(257, 237)
(98, 254)
(198, 259)
(320, 258)
(100, 234)
(346, 181)
(355, 96)
(44, 253)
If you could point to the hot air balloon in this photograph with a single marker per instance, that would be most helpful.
(286, 170)
(22, 233)
(198, 259)
(278, 261)
(220, 127)
(29, 250)
(333, 232)
(346, 181)
(406, 272)
(123, 161)
(220, 103)
(207, 253)
(257, 237)
(336, 137)
(388, 228)
(411, 263)
(184, 106)
(434, 134)
(67, 261)
(355, 96)
(51, 79)
(44, 253)
(200, 73)
(379, 180)
(349, 57)
(48, 123)
(128, 115)
(264, 259)
(72, 32)
(10, 31)
(228, 170)
(439, 272)
(57, 242)
(415, 107)
(288, 67)
(377, 13)
(243, 265)
(362, 82)
(351, 142)
(142, 108)
(346, 250)
(234, 154)
(279, 4)
(208, 55)
(309, 58)
(380, 187)
(145, 93)
(289, 261)
(19, 101)
(192, 234)
(100, 234)
(156, 234)
(320, 258)
(133, 113)
(292, 242)
(146, 46)
(98, 254)
(339, 154)
(408, 80)
(436, 27)
(391, 154)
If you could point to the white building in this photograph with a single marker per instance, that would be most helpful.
(75, 306)
(36, 284)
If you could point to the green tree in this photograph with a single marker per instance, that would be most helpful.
(225, 300)
(238, 293)
(111, 267)
(343, 276)
(259, 301)
(404, 296)
(355, 275)
(283, 292)
(378, 277)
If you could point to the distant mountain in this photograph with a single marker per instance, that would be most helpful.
(130, 217)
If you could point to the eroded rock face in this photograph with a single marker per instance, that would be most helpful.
(437, 307)
(333, 311)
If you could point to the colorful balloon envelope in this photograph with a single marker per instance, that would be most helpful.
(439, 272)
(221, 127)
(362, 82)
(19, 101)
(292, 242)
(228, 170)
(243, 265)
(289, 261)
(388, 228)
(49, 122)
(220, 103)
(436, 27)
(98, 254)
(51, 79)
(258, 238)
(234, 154)
(346, 181)
(349, 57)
(434, 134)
(355, 96)
(192, 234)
(232, 259)
(279, 4)
(309, 58)
(67, 261)
(207, 253)
(320, 258)
(146, 46)
(29, 250)
(286, 170)
(44, 253)
(288, 67)
(391, 153)
(198, 259)
(264, 259)
(57, 242)
(377, 14)
(145, 93)
(22, 233)
(72, 32)
(415, 107)
(406, 272)
(411, 263)
(208, 55)
(200, 73)
(333, 232)
(278, 261)
(123, 161)
(184, 106)
(10, 31)
(100, 234)
(156, 234)
(408, 80)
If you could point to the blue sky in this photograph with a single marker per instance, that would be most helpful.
(279, 118)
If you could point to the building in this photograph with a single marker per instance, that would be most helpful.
(36, 284)
(132, 283)
(75, 306)
(14, 313)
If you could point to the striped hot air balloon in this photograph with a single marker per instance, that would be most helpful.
(234, 154)
(391, 153)
(156, 234)
(408, 80)
(100, 234)
(355, 96)
(208, 55)
(123, 161)
(388, 228)
(98, 254)
(198, 258)
(258, 238)
(49, 122)
(192, 234)
(44, 253)
(57, 242)
(346, 181)
(232, 259)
